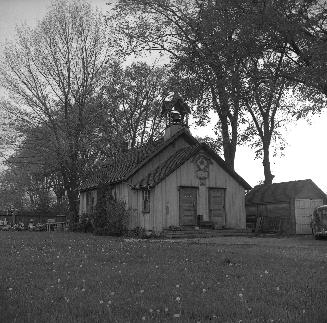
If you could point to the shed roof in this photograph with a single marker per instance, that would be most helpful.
(283, 192)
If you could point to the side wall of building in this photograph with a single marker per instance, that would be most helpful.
(88, 199)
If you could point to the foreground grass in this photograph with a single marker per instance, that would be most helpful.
(62, 277)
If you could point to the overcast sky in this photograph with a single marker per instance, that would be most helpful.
(305, 155)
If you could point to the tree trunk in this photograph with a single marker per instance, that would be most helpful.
(71, 186)
(72, 195)
(229, 153)
(221, 106)
(229, 144)
(266, 164)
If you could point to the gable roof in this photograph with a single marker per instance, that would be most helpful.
(167, 167)
(281, 192)
(183, 132)
(126, 164)
(178, 159)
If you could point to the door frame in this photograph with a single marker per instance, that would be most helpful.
(225, 213)
(179, 203)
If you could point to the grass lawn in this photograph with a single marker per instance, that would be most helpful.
(70, 277)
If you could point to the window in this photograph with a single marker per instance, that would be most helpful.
(146, 201)
(90, 202)
(111, 195)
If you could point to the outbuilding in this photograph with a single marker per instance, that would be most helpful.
(284, 207)
(173, 181)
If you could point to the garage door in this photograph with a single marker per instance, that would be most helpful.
(303, 212)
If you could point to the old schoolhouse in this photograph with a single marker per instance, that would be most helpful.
(173, 181)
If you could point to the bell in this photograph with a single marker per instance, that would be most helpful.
(175, 117)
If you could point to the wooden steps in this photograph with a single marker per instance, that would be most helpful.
(191, 233)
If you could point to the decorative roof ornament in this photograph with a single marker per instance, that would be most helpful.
(202, 163)
(175, 110)
(175, 102)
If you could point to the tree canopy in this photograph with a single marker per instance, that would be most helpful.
(239, 59)
(72, 101)
(53, 74)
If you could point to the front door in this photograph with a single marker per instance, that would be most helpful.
(187, 205)
(217, 206)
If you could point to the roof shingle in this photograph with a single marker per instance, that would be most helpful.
(168, 166)
(118, 168)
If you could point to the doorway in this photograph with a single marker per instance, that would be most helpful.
(188, 206)
(217, 212)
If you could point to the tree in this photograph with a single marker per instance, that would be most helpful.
(8, 134)
(25, 187)
(302, 25)
(12, 193)
(207, 41)
(135, 96)
(268, 104)
(36, 160)
(234, 57)
(54, 74)
(286, 80)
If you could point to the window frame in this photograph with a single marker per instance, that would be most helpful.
(146, 198)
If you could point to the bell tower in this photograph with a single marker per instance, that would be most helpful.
(176, 112)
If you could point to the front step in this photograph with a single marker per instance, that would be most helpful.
(204, 233)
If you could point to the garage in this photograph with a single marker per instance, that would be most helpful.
(283, 207)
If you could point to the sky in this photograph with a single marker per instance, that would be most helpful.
(305, 153)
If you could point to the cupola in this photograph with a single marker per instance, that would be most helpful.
(176, 112)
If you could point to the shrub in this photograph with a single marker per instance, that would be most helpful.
(84, 225)
(137, 232)
(111, 217)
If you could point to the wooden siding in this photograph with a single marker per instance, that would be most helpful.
(85, 201)
(82, 203)
(295, 215)
(279, 211)
(120, 192)
(138, 218)
(164, 210)
(135, 208)
(303, 213)
(161, 157)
